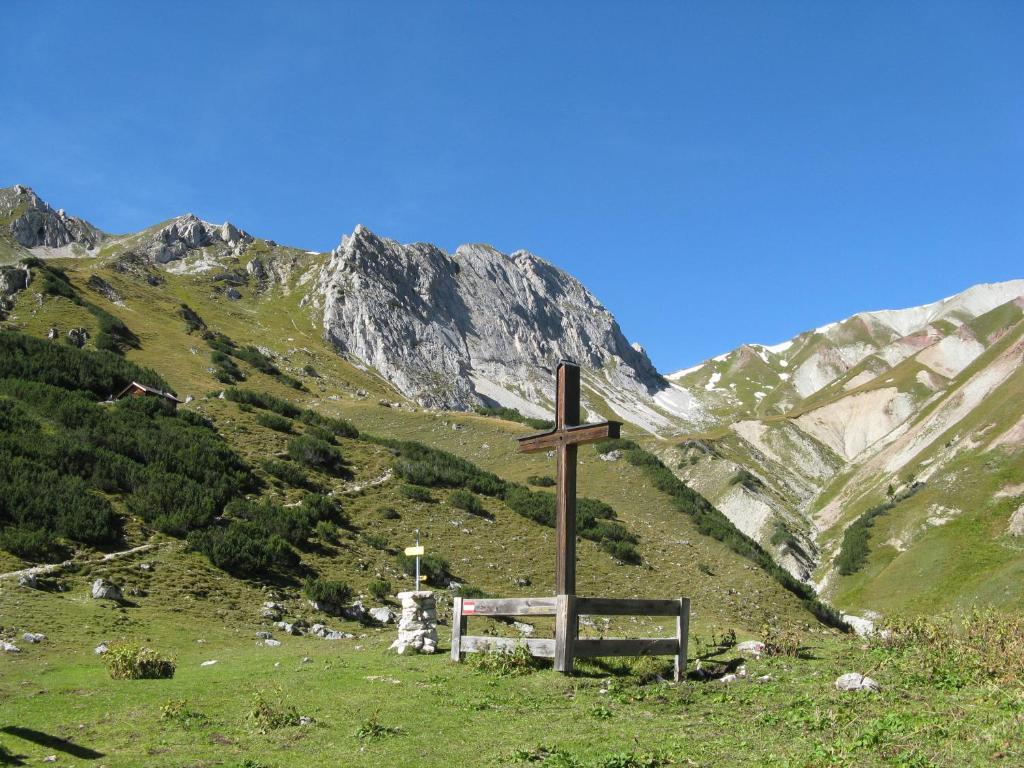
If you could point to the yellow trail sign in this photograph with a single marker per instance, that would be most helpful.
(413, 551)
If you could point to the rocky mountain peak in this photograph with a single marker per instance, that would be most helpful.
(176, 239)
(475, 327)
(35, 224)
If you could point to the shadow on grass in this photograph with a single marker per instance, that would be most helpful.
(46, 740)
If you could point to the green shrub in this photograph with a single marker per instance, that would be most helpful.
(381, 590)
(327, 531)
(327, 591)
(541, 481)
(134, 662)
(505, 663)
(101, 373)
(416, 493)
(622, 550)
(270, 715)
(177, 711)
(435, 568)
(37, 545)
(275, 422)
(243, 549)
(264, 401)
(513, 414)
(316, 454)
(377, 541)
(193, 322)
(468, 501)
(321, 507)
(390, 513)
(288, 473)
(854, 550)
(293, 524)
(337, 427)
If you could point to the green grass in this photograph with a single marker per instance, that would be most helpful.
(370, 707)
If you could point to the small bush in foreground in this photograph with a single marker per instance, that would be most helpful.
(372, 729)
(134, 662)
(177, 711)
(952, 651)
(504, 663)
(779, 641)
(268, 714)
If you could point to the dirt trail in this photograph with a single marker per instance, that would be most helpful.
(40, 570)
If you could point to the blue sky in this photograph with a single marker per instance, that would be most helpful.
(714, 172)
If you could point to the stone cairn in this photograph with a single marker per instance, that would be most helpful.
(417, 627)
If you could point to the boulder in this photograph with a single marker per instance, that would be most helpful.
(271, 643)
(264, 636)
(78, 337)
(750, 648)
(272, 611)
(288, 629)
(105, 590)
(354, 612)
(854, 681)
(33, 637)
(28, 580)
(336, 635)
(101, 649)
(233, 294)
(7, 647)
(611, 455)
(146, 567)
(382, 615)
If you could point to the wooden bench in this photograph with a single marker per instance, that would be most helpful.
(567, 644)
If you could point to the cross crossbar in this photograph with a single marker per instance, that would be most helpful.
(567, 435)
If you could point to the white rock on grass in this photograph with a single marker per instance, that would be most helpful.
(524, 628)
(271, 610)
(7, 647)
(854, 681)
(750, 648)
(105, 590)
(33, 637)
(271, 643)
(101, 649)
(382, 615)
(28, 580)
(209, 663)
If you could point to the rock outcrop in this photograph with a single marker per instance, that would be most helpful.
(478, 327)
(35, 224)
(187, 234)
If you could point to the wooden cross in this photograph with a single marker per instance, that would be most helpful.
(564, 439)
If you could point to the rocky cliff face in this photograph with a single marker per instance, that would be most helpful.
(189, 233)
(34, 224)
(474, 327)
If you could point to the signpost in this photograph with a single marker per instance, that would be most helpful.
(416, 551)
(565, 439)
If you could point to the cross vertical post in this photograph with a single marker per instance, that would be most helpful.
(565, 440)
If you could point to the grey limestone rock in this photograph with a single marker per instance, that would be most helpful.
(186, 234)
(469, 328)
(105, 590)
(854, 681)
(41, 226)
